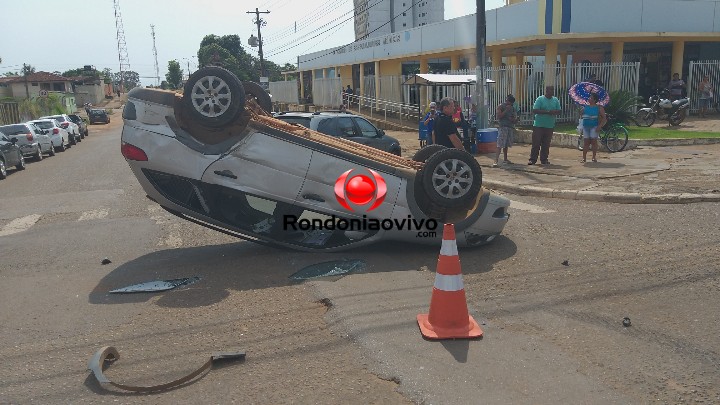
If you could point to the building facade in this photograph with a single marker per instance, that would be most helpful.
(662, 35)
(374, 18)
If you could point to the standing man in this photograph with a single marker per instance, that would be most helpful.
(677, 87)
(507, 118)
(546, 107)
(445, 131)
(429, 122)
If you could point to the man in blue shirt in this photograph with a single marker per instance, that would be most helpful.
(546, 107)
(429, 122)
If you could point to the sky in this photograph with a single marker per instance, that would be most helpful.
(83, 32)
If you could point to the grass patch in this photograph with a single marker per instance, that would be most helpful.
(653, 132)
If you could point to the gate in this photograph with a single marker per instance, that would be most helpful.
(698, 70)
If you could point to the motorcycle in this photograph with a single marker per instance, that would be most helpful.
(661, 107)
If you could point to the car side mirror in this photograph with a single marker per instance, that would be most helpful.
(380, 133)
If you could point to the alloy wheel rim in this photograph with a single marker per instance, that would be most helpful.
(211, 96)
(452, 178)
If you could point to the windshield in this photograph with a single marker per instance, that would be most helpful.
(14, 129)
(44, 124)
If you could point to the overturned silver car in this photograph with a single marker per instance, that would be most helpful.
(216, 157)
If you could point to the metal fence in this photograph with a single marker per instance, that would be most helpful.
(527, 83)
(9, 113)
(698, 70)
(284, 91)
(327, 92)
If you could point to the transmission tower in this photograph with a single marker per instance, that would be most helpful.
(122, 46)
(157, 68)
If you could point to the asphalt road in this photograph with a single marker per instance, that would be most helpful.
(553, 333)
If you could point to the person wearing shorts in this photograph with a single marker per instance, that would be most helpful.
(706, 95)
(506, 117)
(594, 118)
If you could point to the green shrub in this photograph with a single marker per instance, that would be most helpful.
(622, 105)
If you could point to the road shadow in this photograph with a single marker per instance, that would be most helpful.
(247, 266)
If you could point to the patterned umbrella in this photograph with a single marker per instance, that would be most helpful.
(581, 92)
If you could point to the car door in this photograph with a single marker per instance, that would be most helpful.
(42, 137)
(368, 134)
(345, 128)
(9, 151)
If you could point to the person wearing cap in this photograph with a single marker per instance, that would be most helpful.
(429, 121)
(507, 118)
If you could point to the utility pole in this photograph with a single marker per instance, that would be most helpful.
(122, 45)
(480, 67)
(260, 23)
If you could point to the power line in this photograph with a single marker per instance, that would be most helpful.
(368, 34)
(288, 47)
(307, 20)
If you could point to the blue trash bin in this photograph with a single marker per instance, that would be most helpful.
(487, 140)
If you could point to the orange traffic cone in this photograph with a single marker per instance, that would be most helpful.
(448, 317)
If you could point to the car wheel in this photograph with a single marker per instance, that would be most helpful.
(423, 154)
(62, 147)
(213, 96)
(52, 149)
(451, 178)
(38, 155)
(21, 165)
(72, 140)
(254, 91)
(3, 170)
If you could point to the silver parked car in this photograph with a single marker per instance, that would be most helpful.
(66, 123)
(217, 158)
(59, 137)
(32, 140)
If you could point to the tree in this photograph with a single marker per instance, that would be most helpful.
(107, 75)
(227, 52)
(174, 75)
(129, 79)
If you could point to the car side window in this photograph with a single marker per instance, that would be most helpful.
(368, 130)
(328, 127)
(345, 126)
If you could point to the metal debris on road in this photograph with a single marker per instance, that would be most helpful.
(105, 261)
(107, 355)
(626, 322)
(332, 268)
(158, 285)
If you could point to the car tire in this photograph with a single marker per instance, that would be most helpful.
(425, 152)
(3, 170)
(72, 140)
(451, 178)
(254, 91)
(39, 155)
(51, 152)
(213, 96)
(62, 147)
(21, 165)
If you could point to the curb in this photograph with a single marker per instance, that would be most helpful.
(601, 196)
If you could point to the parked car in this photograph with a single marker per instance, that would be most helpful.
(59, 137)
(98, 116)
(10, 155)
(224, 163)
(81, 123)
(344, 125)
(66, 123)
(32, 140)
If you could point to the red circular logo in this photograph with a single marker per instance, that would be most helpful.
(360, 189)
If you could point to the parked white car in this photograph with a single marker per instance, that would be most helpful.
(59, 137)
(33, 141)
(66, 123)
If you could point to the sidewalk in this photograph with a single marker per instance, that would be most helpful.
(674, 174)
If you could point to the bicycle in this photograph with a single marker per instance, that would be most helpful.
(614, 135)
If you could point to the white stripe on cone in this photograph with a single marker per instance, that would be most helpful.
(449, 248)
(449, 283)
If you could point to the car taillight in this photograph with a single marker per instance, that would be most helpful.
(56, 131)
(132, 152)
(29, 136)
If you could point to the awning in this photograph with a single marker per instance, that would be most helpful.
(432, 79)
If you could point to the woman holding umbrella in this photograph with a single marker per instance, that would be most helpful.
(594, 118)
(592, 97)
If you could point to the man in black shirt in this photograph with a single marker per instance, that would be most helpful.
(445, 131)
